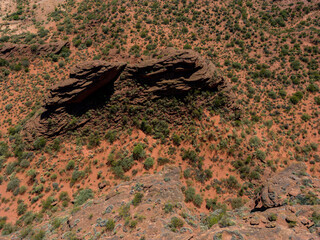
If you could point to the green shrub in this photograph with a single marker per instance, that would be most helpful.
(8, 107)
(261, 155)
(82, 196)
(176, 139)
(176, 223)
(56, 223)
(110, 224)
(64, 196)
(13, 185)
(148, 163)
(305, 117)
(187, 46)
(255, 142)
(137, 199)
(190, 194)
(236, 203)
(111, 136)
(138, 152)
(231, 183)
(93, 140)
(32, 173)
(295, 65)
(197, 201)
(39, 235)
(162, 161)
(168, 207)
(296, 97)
(39, 143)
(21, 209)
(272, 217)
(47, 204)
(77, 175)
(225, 221)
(118, 171)
(8, 228)
(70, 165)
(313, 88)
(11, 167)
(211, 204)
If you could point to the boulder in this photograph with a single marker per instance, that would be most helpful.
(277, 189)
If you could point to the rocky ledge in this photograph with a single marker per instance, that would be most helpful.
(153, 207)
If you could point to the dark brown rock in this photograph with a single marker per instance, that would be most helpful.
(85, 79)
(177, 72)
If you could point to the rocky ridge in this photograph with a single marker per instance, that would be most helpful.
(175, 73)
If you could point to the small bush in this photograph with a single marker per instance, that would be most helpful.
(137, 199)
(39, 143)
(82, 196)
(110, 225)
(176, 139)
(70, 165)
(176, 223)
(93, 140)
(190, 194)
(272, 217)
(111, 136)
(197, 201)
(168, 207)
(148, 163)
(21, 209)
(162, 161)
(236, 203)
(138, 152)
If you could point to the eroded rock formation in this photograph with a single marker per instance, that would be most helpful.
(85, 79)
(175, 73)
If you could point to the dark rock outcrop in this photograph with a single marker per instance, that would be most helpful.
(175, 73)
(85, 79)
(8, 50)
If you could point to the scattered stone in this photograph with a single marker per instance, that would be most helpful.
(255, 221)
(291, 219)
(271, 225)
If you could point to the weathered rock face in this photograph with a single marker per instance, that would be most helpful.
(8, 50)
(176, 73)
(284, 186)
(85, 79)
